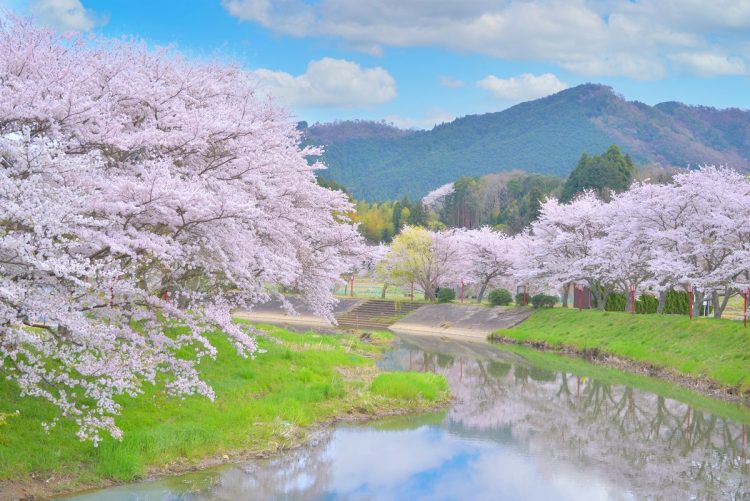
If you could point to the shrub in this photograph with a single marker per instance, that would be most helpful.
(519, 299)
(543, 301)
(616, 302)
(446, 295)
(500, 297)
(676, 303)
(646, 304)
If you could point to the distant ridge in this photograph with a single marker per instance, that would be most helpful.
(377, 161)
(348, 130)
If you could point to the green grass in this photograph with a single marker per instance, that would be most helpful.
(261, 406)
(410, 386)
(705, 347)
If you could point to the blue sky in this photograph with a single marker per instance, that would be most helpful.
(420, 62)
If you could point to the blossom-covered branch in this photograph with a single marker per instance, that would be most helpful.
(139, 190)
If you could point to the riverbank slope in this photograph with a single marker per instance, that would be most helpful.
(263, 406)
(460, 321)
(708, 354)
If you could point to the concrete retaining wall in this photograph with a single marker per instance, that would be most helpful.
(460, 320)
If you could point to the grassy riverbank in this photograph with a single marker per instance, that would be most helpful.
(665, 388)
(717, 350)
(262, 406)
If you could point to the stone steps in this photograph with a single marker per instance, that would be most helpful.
(376, 314)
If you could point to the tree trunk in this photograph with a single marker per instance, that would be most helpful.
(594, 290)
(662, 302)
(628, 302)
(382, 293)
(715, 303)
(566, 289)
(719, 307)
(480, 296)
(605, 296)
(697, 302)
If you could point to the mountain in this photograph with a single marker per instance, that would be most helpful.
(547, 136)
(348, 130)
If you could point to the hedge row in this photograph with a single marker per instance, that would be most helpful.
(676, 303)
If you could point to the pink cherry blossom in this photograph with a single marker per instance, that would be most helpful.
(139, 190)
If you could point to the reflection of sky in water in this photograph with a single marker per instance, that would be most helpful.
(430, 463)
(514, 432)
(426, 462)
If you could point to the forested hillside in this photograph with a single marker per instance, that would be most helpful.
(508, 201)
(348, 130)
(545, 136)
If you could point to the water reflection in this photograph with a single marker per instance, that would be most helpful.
(515, 431)
(644, 443)
(428, 462)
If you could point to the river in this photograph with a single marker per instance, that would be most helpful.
(516, 430)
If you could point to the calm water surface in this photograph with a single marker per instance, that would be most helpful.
(516, 431)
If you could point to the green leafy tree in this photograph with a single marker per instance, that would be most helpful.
(420, 257)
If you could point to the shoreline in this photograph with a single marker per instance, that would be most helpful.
(36, 489)
(702, 385)
(76, 479)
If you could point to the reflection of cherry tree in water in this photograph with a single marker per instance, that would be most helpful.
(644, 442)
(302, 474)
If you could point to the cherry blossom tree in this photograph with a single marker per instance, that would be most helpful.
(699, 228)
(438, 195)
(486, 256)
(139, 190)
(565, 244)
(692, 233)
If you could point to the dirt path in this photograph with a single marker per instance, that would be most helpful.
(273, 313)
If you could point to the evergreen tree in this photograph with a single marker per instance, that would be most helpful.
(603, 174)
(417, 214)
(396, 217)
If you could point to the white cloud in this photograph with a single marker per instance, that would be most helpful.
(409, 452)
(433, 117)
(66, 15)
(328, 82)
(709, 64)
(451, 82)
(589, 37)
(522, 87)
(249, 10)
(286, 16)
